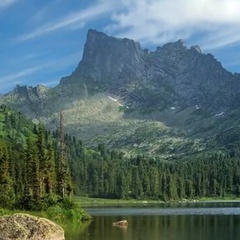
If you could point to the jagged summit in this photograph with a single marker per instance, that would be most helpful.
(196, 48)
(178, 46)
(173, 74)
(187, 76)
(107, 55)
(173, 46)
(170, 84)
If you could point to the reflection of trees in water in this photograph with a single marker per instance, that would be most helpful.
(168, 227)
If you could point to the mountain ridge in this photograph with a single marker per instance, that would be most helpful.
(175, 88)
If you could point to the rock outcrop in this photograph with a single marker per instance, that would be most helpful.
(106, 56)
(171, 75)
(179, 86)
(23, 226)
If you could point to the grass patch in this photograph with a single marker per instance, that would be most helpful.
(86, 201)
(219, 199)
(67, 214)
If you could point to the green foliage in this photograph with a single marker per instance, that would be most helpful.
(66, 212)
(30, 203)
(29, 170)
(6, 182)
(66, 217)
(141, 177)
(27, 163)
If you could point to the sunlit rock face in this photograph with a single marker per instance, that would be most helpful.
(104, 55)
(118, 85)
(171, 75)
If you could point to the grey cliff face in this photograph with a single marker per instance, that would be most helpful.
(105, 58)
(195, 78)
(125, 95)
(172, 75)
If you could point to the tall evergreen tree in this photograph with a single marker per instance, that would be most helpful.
(50, 177)
(32, 170)
(6, 183)
(42, 158)
(64, 183)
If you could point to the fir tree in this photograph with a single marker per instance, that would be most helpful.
(32, 170)
(6, 183)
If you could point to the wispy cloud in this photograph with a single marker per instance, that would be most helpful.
(166, 20)
(9, 81)
(72, 21)
(212, 24)
(23, 76)
(64, 62)
(6, 3)
(19, 74)
(222, 37)
(155, 21)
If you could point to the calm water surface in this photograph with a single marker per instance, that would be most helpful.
(212, 221)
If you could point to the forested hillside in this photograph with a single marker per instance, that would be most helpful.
(37, 165)
(169, 102)
(31, 164)
(111, 176)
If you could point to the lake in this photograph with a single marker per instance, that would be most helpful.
(191, 221)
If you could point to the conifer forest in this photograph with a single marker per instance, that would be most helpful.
(37, 165)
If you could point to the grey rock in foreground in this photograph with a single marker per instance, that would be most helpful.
(24, 226)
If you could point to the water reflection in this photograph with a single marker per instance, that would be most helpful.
(163, 211)
(180, 223)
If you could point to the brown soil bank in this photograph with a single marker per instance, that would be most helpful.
(23, 226)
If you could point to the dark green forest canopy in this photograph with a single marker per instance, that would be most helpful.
(30, 159)
(32, 170)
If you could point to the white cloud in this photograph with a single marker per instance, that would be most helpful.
(73, 21)
(160, 21)
(22, 76)
(221, 37)
(19, 74)
(9, 81)
(156, 21)
(213, 23)
(6, 3)
(60, 64)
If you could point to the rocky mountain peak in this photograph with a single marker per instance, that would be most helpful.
(173, 73)
(118, 82)
(105, 55)
(196, 48)
(37, 91)
(172, 46)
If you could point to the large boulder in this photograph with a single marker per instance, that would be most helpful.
(24, 226)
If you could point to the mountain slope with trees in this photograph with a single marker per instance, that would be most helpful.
(170, 102)
(30, 160)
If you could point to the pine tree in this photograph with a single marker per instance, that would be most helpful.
(32, 170)
(42, 158)
(6, 182)
(64, 183)
(50, 177)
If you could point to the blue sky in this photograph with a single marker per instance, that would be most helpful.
(43, 40)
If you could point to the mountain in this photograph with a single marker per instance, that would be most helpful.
(170, 102)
